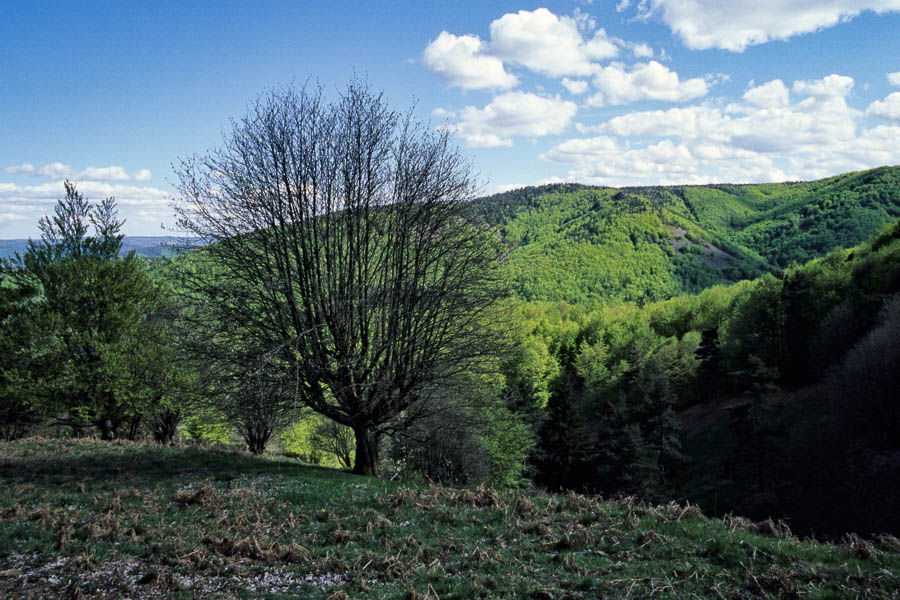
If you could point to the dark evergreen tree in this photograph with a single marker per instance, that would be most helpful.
(93, 306)
(639, 434)
(709, 374)
(563, 458)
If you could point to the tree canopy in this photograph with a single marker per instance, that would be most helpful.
(340, 267)
(79, 313)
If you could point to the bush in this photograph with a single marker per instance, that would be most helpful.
(207, 426)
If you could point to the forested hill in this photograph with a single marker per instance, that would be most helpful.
(581, 243)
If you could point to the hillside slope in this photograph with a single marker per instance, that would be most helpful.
(580, 243)
(81, 518)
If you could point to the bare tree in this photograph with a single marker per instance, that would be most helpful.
(337, 242)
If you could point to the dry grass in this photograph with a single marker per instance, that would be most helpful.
(84, 519)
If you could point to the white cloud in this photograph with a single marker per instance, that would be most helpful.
(25, 168)
(703, 24)
(442, 113)
(125, 195)
(548, 44)
(771, 135)
(21, 206)
(463, 61)
(767, 122)
(55, 171)
(888, 109)
(645, 81)
(9, 217)
(112, 173)
(602, 160)
(832, 86)
(58, 170)
(575, 86)
(688, 123)
(642, 50)
(514, 114)
(894, 78)
(768, 95)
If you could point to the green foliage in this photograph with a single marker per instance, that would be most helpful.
(508, 440)
(585, 244)
(24, 343)
(623, 372)
(866, 383)
(177, 515)
(207, 425)
(85, 313)
(318, 440)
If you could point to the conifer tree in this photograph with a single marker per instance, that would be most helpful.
(92, 305)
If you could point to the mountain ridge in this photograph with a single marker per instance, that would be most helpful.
(648, 243)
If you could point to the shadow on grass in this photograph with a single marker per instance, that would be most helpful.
(48, 461)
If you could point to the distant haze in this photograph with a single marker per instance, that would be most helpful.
(147, 246)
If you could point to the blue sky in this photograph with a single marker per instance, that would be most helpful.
(110, 94)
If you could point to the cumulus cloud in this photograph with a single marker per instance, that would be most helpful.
(768, 95)
(575, 86)
(21, 206)
(704, 24)
(767, 120)
(572, 49)
(641, 50)
(58, 170)
(832, 86)
(442, 113)
(112, 173)
(688, 123)
(10, 217)
(773, 134)
(55, 171)
(888, 109)
(125, 195)
(894, 78)
(514, 114)
(603, 160)
(549, 44)
(644, 81)
(463, 61)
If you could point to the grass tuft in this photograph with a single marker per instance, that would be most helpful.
(82, 518)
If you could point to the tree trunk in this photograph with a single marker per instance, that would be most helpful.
(107, 429)
(366, 452)
(134, 427)
(165, 425)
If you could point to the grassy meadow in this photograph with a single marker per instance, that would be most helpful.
(89, 519)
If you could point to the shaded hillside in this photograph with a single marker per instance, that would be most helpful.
(581, 243)
(774, 396)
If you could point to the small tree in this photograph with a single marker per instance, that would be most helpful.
(336, 439)
(338, 249)
(91, 307)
